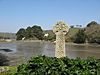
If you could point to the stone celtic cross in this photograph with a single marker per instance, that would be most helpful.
(60, 29)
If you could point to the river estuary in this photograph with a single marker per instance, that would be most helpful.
(20, 52)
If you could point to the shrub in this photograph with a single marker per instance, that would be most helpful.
(80, 37)
(43, 65)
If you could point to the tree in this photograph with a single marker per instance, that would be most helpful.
(92, 23)
(28, 33)
(34, 32)
(20, 34)
(72, 26)
(37, 32)
(93, 32)
(80, 37)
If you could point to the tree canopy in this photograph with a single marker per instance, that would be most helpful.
(90, 34)
(92, 23)
(30, 33)
(20, 34)
(37, 32)
(93, 32)
(80, 37)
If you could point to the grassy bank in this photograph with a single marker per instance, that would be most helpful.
(8, 70)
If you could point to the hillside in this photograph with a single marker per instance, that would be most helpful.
(92, 32)
(71, 34)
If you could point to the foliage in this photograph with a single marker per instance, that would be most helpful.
(93, 32)
(72, 26)
(92, 23)
(28, 33)
(37, 32)
(8, 70)
(80, 37)
(43, 65)
(51, 36)
(93, 39)
(20, 34)
(70, 36)
(34, 32)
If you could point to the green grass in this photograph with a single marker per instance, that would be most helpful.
(9, 70)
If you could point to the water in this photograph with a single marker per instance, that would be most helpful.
(20, 52)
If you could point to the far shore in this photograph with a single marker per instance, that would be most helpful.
(83, 44)
(67, 43)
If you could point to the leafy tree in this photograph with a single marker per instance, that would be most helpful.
(92, 23)
(80, 37)
(72, 26)
(20, 34)
(28, 33)
(93, 32)
(37, 32)
(34, 32)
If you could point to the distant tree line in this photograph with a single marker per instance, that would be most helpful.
(33, 33)
(89, 34)
(93, 32)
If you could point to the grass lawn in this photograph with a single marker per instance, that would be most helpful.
(8, 70)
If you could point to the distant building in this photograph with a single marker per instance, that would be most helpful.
(78, 26)
(23, 38)
(8, 40)
(46, 34)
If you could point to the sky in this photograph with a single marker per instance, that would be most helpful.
(16, 14)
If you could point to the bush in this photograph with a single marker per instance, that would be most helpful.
(43, 65)
(80, 37)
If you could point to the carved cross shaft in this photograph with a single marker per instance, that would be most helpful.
(60, 29)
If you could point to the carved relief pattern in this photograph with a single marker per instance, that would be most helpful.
(60, 26)
(60, 29)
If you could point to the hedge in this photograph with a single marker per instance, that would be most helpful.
(43, 65)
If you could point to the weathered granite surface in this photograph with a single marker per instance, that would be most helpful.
(60, 29)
